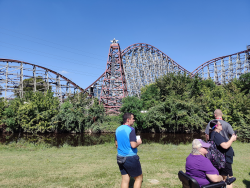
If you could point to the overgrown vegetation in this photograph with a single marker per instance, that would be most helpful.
(174, 103)
(39, 112)
(178, 103)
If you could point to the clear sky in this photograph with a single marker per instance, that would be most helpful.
(72, 37)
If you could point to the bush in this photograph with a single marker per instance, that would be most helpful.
(179, 103)
(133, 105)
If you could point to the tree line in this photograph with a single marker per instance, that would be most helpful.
(173, 103)
(179, 103)
(40, 112)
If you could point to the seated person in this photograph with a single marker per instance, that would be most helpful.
(199, 167)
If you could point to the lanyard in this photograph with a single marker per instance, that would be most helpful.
(219, 118)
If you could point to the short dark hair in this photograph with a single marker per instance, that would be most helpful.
(126, 116)
(213, 123)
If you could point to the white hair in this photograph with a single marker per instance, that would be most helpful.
(196, 146)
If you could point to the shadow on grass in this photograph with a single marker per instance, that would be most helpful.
(131, 183)
(247, 182)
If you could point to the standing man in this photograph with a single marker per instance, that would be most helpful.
(127, 158)
(226, 127)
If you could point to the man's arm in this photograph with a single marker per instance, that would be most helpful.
(136, 144)
(132, 137)
(229, 129)
(116, 144)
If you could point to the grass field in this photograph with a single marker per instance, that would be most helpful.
(29, 165)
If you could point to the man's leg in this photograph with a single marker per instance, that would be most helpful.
(138, 181)
(125, 181)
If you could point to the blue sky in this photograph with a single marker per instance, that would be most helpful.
(73, 37)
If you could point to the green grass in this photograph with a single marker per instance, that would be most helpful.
(29, 165)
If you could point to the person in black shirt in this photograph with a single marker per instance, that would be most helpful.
(227, 128)
(224, 146)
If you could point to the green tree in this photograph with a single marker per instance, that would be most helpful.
(32, 113)
(28, 85)
(3, 105)
(150, 95)
(244, 83)
(133, 105)
(9, 117)
(79, 113)
(36, 113)
(72, 114)
(96, 116)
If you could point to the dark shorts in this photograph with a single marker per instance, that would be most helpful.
(132, 166)
(227, 170)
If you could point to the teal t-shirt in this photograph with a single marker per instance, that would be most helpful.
(124, 135)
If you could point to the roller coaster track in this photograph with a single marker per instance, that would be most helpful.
(143, 63)
(224, 69)
(140, 64)
(13, 73)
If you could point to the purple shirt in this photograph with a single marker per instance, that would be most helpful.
(197, 166)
